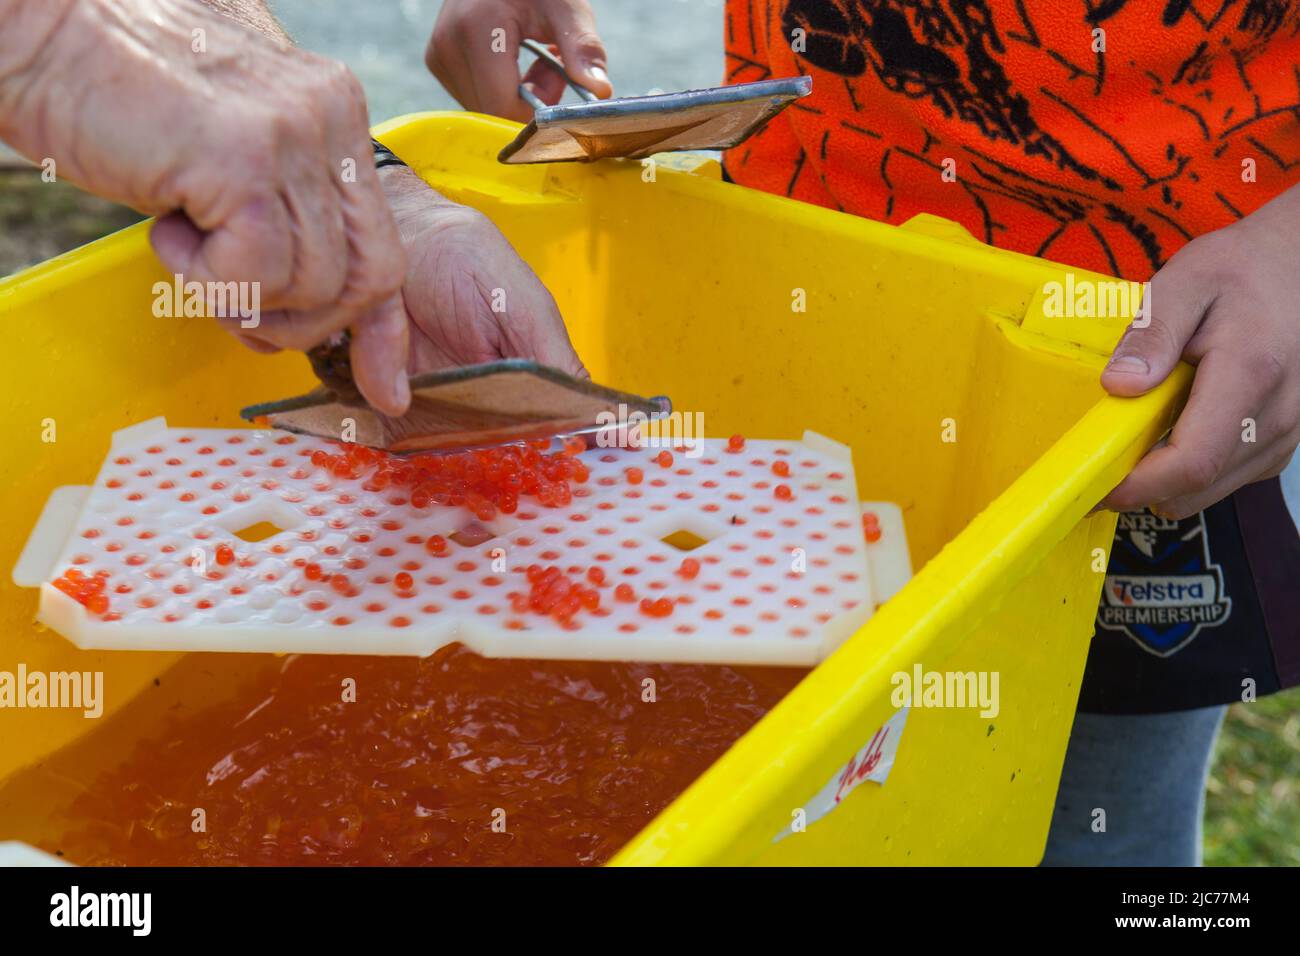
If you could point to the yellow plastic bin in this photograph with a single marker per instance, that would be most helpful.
(927, 352)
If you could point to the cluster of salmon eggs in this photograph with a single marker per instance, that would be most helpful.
(554, 593)
(486, 481)
(88, 591)
(561, 596)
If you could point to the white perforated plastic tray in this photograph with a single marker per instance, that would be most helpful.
(780, 582)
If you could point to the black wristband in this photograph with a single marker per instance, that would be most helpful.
(385, 156)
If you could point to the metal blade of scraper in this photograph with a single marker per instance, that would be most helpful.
(634, 127)
(478, 406)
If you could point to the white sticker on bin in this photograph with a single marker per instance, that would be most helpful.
(780, 581)
(873, 762)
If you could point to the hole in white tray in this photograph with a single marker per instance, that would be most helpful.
(684, 539)
(472, 535)
(260, 521)
(258, 532)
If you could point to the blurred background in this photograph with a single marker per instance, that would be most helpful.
(1253, 804)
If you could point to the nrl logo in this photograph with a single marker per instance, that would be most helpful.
(1162, 588)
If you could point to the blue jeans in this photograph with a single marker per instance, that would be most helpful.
(1133, 790)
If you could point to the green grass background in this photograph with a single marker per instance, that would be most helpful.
(1252, 807)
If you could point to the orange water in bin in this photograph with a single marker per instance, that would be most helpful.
(450, 760)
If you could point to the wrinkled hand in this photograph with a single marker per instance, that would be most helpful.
(484, 76)
(1228, 303)
(468, 296)
(238, 142)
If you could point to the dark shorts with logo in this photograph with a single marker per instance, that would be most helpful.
(1199, 611)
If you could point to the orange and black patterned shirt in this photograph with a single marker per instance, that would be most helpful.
(1103, 134)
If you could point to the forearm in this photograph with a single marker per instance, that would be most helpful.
(251, 13)
(55, 55)
(409, 196)
(30, 25)
(51, 50)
